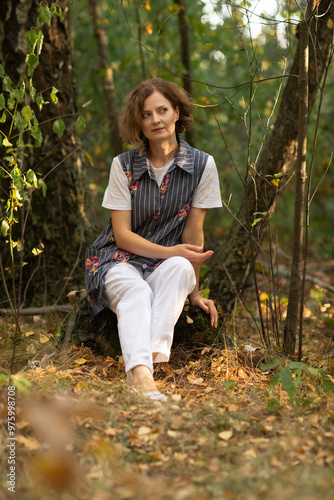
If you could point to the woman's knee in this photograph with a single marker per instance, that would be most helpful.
(181, 264)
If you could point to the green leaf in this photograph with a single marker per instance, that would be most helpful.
(3, 117)
(89, 158)
(2, 71)
(274, 380)
(31, 176)
(27, 112)
(36, 133)
(30, 39)
(42, 186)
(4, 227)
(32, 62)
(44, 15)
(230, 384)
(297, 365)
(208, 46)
(80, 124)
(53, 95)
(58, 127)
(286, 378)
(269, 366)
(313, 371)
(40, 101)
(39, 44)
(327, 385)
(7, 83)
(2, 101)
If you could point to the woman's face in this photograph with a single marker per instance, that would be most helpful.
(158, 118)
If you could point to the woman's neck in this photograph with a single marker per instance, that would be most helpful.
(160, 154)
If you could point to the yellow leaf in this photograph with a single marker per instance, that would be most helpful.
(29, 442)
(147, 5)
(81, 361)
(27, 334)
(81, 385)
(176, 397)
(226, 435)
(189, 320)
(43, 338)
(110, 431)
(330, 23)
(149, 29)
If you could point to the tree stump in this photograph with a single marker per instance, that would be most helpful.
(100, 334)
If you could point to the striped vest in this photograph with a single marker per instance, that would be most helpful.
(158, 214)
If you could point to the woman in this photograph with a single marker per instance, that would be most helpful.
(147, 261)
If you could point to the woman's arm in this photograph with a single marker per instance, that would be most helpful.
(126, 239)
(193, 234)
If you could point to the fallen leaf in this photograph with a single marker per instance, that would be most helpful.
(43, 338)
(110, 431)
(29, 442)
(173, 434)
(195, 380)
(27, 334)
(81, 361)
(250, 453)
(226, 435)
(176, 397)
(189, 320)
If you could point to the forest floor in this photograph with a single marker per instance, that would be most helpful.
(236, 427)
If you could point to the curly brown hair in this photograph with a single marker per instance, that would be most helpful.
(130, 117)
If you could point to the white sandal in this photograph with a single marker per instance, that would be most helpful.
(154, 395)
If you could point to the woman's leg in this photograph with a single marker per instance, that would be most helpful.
(130, 297)
(171, 283)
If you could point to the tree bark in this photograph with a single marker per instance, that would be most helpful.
(107, 76)
(289, 341)
(186, 58)
(58, 220)
(279, 155)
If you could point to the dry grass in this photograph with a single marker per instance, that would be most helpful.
(81, 434)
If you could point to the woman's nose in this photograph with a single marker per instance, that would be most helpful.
(155, 117)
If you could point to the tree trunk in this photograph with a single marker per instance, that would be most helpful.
(57, 220)
(289, 342)
(186, 58)
(107, 76)
(236, 251)
(81, 327)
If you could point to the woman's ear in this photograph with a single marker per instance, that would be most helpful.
(177, 111)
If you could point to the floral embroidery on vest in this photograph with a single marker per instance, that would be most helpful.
(134, 185)
(92, 263)
(184, 211)
(164, 184)
(122, 256)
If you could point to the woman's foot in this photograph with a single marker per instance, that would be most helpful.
(142, 381)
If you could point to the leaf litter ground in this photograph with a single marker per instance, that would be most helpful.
(224, 433)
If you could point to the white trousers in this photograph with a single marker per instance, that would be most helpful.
(148, 306)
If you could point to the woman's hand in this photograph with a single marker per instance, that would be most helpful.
(193, 253)
(207, 305)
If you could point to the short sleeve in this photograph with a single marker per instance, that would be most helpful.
(207, 194)
(117, 195)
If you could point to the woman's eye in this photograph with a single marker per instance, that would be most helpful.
(163, 110)
(146, 115)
